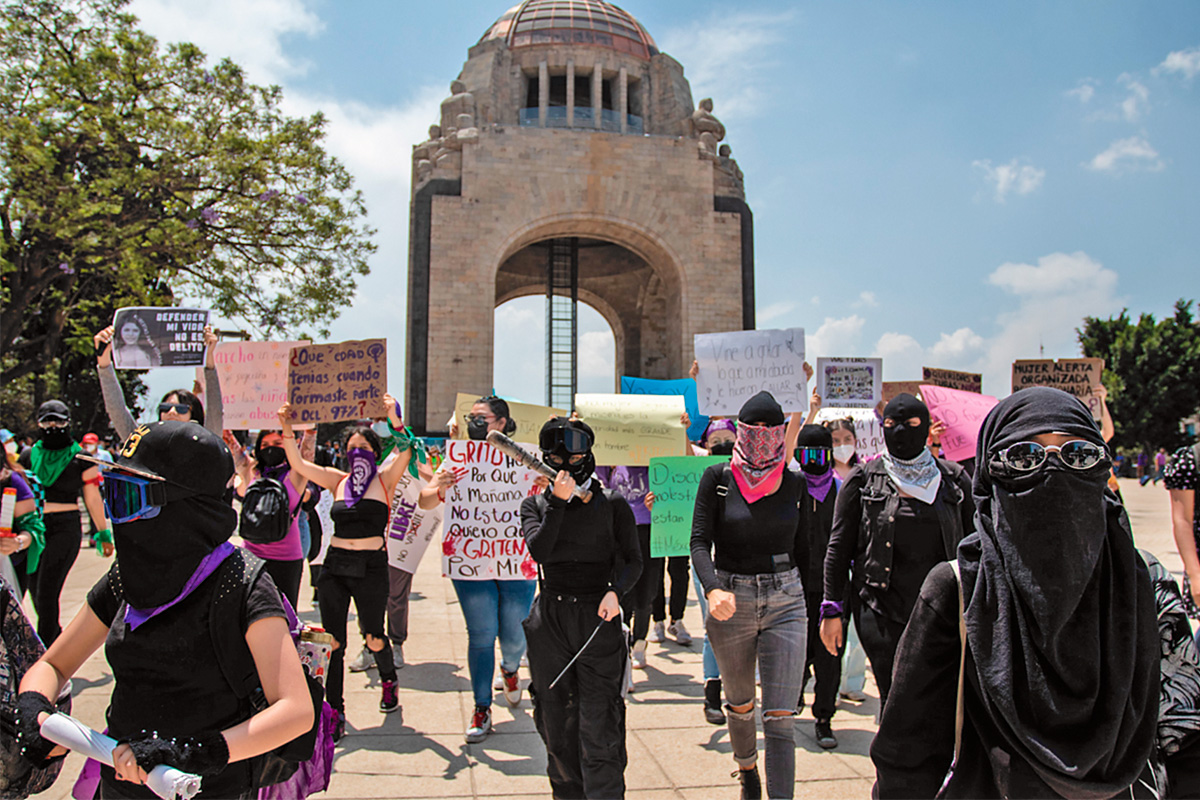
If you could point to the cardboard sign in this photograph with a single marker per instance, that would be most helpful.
(529, 418)
(254, 380)
(953, 379)
(737, 365)
(868, 429)
(482, 538)
(684, 386)
(1077, 376)
(631, 429)
(674, 482)
(334, 382)
(850, 382)
(144, 338)
(410, 528)
(893, 388)
(963, 413)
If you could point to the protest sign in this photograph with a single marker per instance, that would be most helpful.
(1077, 376)
(893, 388)
(868, 429)
(482, 538)
(674, 482)
(684, 386)
(850, 382)
(529, 418)
(631, 429)
(158, 337)
(254, 380)
(953, 379)
(335, 382)
(737, 365)
(410, 528)
(963, 414)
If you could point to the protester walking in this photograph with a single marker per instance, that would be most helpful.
(1180, 477)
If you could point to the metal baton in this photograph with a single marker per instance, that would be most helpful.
(517, 453)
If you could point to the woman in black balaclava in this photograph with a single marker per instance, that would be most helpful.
(171, 703)
(589, 557)
(1061, 672)
(896, 518)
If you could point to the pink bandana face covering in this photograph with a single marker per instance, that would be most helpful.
(758, 459)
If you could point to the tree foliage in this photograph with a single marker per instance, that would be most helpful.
(133, 173)
(1150, 370)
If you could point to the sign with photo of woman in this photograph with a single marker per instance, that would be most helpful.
(158, 337)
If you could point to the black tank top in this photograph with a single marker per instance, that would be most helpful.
(364, 519)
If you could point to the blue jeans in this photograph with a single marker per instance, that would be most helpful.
(854, 669)
(711, 670)
(491, 609)
(769, 627)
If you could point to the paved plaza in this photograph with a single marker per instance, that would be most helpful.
(673, 753)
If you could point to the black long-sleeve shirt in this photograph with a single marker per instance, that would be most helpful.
(584, 548)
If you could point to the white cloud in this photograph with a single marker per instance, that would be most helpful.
(835, 337)
(902, 356)
(1185, 62)
(1137, 102)
(1085, 91)
(775, 310)
(1011, 177)
(1127, 155)
(954, 347)
(596, 361)
(866, 299)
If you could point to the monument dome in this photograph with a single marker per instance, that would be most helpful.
(587, 22)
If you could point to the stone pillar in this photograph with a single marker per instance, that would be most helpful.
(623, 99)
(570, 93)
(543, 92)
(597, 93)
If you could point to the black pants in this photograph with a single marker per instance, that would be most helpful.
(286, 575)
(637, 603)
(582, 719)
(361, 576)
(681, 578)
(63, 534)
(880, 637)
(826, 667)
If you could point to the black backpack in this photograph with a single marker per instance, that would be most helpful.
(265, 516)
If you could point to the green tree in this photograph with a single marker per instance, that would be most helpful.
(131, 173)
(1150, 370)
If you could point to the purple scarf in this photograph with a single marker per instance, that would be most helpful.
(208, 565)
(362, 471)
(819, 485)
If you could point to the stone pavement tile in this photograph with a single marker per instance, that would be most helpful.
(509, 763)
(419, 713)
(849, 789)
(401, 767)
(676, 707)
(506, 719)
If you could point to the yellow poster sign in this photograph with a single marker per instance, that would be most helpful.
(529, 418)
(631, 429)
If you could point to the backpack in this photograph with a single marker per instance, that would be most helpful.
(265, 517)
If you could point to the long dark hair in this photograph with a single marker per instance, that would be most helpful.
(844, 424)
(364, 431)
(186, 397)
(499, 409)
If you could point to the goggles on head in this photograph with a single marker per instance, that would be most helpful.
(819, 456)
(128, 497)
(1027, 457)
(572, 440)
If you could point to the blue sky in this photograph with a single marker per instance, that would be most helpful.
(937, 183)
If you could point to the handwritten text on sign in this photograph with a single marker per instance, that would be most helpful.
(850, 382)
(253, 381)
(334, 382)
(953, 379)
(529, 418)
(868, 429)
(674, 482)
(410, 528)
(685, 387)
(482, 538)
(963, 413)
(631, 429)
(1077, 376)
(737, 365)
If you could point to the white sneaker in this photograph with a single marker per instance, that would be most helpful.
(639, 654)
(510, 684)
(657, 633)
(364, 662)
(498, 684)
(677, 630)
(481, 725)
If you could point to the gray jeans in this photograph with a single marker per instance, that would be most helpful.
(769, 626)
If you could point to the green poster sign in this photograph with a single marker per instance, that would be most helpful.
(674, 481)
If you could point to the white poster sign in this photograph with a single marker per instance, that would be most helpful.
(254, 382)
(410, 528)
(868, 429)
(850, 382)
(737, 365)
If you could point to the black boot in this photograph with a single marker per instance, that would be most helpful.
(713, 714)
(751, 786)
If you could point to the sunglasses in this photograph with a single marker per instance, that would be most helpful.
(817, 456)
(178, 408)
(1031, 456)
(472, 417)
(128, 497)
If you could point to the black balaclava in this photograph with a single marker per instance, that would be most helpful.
(587, 465)
(902, 441)
(54, 438)
(761, 409)
(1060, 612)
(816, 436)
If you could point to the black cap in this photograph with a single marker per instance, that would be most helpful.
(814, 436)
(186, 455)
(53, 410)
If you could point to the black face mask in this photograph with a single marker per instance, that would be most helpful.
(55, 438)
(584, 469)
(271, 457)
(816, 469)
(721, 449)
(902, 441)
(477, 429)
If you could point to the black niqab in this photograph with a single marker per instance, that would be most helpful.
(1060, 610)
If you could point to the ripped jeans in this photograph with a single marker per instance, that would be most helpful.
(770, 627)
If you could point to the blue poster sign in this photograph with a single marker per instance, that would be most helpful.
(683, 386)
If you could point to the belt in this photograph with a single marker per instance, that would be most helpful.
(756, 564)
(559, 597)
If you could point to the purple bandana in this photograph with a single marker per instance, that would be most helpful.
(362, 471)
(818, 485)
(208, 565)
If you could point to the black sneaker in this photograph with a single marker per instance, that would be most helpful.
(751, 786)
(713, 714)
(825, 737)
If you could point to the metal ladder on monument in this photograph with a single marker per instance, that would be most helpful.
(562, 322)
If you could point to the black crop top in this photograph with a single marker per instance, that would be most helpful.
(69, 484)
(364, 519)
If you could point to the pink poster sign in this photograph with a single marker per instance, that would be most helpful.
(963, 414)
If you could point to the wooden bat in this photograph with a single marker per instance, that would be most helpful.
(514, 451)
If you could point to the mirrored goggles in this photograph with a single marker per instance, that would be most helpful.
(818, 456)
(178, 408)
(128, 497)
(1031, 456)
(573, 440)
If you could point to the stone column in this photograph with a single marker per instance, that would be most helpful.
(570, 93)
(597, 93)
(623, 99)
(543, 93)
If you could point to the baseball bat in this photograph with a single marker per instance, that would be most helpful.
(514, 451)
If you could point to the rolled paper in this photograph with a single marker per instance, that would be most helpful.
(517, 453)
